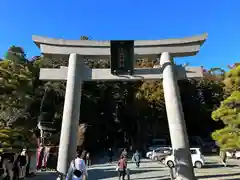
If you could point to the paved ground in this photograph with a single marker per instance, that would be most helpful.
(155, 171)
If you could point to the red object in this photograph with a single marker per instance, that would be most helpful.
(122, 164)
(38, 142)
(39, 161)
(45, 159)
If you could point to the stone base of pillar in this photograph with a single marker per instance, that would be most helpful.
(182, 178)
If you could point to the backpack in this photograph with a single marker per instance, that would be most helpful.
(136, 157)
(22, 160)
(76, 172)
(122, 164)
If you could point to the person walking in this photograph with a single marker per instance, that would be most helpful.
(110, 155)
(88, 159)
(136, 158)
(122, 166)
(46, 155)
(223, 156)
(124, 153)
(22, 164)
(40, 157)
(16, 165)
(8, 162)
(28, 154)
(51, 161)
(83, 156)
(77, 169)
(1, 164)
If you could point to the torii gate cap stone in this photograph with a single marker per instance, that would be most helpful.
(178, 47)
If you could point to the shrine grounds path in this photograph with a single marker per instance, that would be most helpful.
(154, 171)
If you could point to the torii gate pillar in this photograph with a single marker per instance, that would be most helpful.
(176, 122)
(71, 112)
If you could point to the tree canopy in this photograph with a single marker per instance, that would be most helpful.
(229, 112)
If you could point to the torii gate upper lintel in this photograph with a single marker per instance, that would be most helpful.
(77, 72)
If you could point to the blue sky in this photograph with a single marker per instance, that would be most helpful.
(126, 19)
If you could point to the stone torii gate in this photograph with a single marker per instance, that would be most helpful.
(76, 73)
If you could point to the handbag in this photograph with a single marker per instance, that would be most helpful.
(76, 172)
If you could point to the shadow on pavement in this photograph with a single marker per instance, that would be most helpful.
(220, 175)
(153, 177)
(102, 159)
(156, 167)
(104, 174)
(209, 166)
(44, 176)
(209, 163)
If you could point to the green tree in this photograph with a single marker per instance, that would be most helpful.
(232, 79)
(15, 138)
(16, 54)
(15, 89)
(229, 112)
(18, 81)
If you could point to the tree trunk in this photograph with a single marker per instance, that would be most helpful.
(81, 134)
(139, 134)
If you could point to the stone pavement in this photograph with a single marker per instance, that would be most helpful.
(155, 171)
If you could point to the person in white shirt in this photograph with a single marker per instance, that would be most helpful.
(77, 169)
